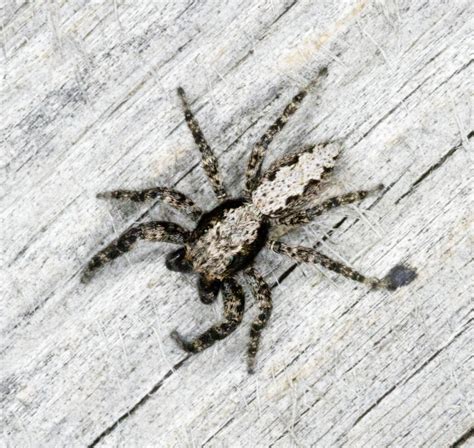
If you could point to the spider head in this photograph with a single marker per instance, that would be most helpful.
(176, 261)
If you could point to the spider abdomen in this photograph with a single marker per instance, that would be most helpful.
(293, 177)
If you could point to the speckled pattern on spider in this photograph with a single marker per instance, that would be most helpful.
(226, 239)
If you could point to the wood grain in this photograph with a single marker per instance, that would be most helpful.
(89, 104)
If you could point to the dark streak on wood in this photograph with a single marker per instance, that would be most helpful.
(137, 405)
(463, 439)
(433, 168)
(405, 380)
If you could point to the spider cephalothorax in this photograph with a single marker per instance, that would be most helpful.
(226, 239)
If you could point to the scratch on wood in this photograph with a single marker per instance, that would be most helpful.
(304, 52)
(405, 380)
(469, 434)
(139, 403)
(433, 168)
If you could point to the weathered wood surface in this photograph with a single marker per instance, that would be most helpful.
(88, 104)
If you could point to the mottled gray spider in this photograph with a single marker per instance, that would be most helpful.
(227, 238)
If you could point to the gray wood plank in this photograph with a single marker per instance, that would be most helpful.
(89, 104)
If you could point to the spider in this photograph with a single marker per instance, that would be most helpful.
(226, 239)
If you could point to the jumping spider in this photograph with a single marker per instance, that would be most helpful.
(227, 238)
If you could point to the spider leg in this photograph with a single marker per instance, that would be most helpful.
(305, 216)
(208, 289)
(258, 151)
(263, 295)
(209, 160)
(398, 276)
(234, 301)
(171, 197)
(152, 231)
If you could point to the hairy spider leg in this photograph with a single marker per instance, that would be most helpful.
(208, 289)
(258, 151)
(209, 160)
(234, 302)
(263, 296)
(305, 216)
(152, 231)
(169, 196)
(309, 255)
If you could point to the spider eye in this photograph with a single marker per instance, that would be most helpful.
(176, 261)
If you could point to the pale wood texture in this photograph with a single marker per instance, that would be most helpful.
(89, 103)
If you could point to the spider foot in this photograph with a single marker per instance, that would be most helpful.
(87, 275)
(91, 269)
(322, 74)
(105, 195)
(183, 343)
(251, 366)
(400, 275)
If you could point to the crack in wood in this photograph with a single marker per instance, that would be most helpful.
(394, 108)
(469, 434)
(391, 111)
(258, 40)
(293, 3)
(139, 403)
(433, 168)
(386, 394)
(405, 380)
(225, 425)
